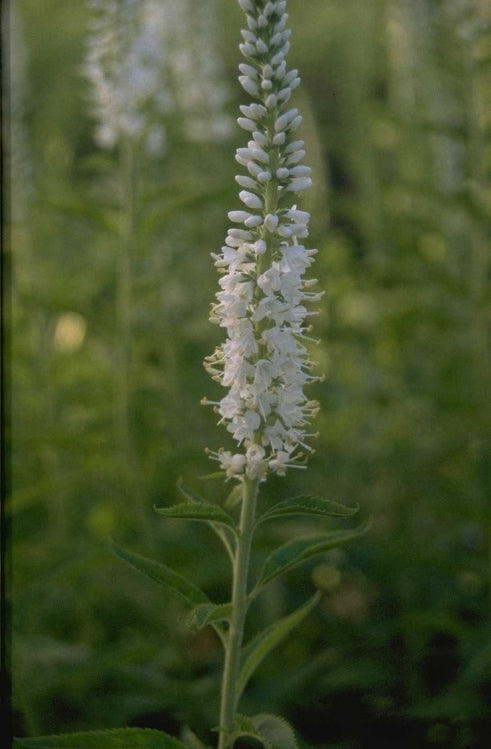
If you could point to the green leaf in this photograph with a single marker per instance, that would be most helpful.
(261, 645)
(212, 476)
(226, 533)
(305, 505)
(235, 496)
(276, 731)
(296, 551)
(209, 613)
(163, 575)
(191, 740)
(189, 494)
(272, 731)
(208, 512)
(119, 738)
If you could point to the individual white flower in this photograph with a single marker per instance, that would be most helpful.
(256, 466)
(231, 464)
(263, 294)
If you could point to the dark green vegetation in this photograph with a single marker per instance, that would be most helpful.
(107, 380)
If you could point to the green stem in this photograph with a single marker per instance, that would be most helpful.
(239, 611)
(125, 302)
(124, 293)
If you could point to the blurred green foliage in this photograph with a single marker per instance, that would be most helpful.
(396, 99)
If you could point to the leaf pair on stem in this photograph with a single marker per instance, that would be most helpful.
(271, 731)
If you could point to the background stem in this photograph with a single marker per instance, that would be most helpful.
(127, 458)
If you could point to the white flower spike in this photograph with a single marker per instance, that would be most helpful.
(263, 361)
(136, 51)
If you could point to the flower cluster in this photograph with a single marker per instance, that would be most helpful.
(147, 59)
(264, 361)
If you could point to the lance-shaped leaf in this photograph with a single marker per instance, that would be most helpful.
(235, 496)
(272, 731)
(212, 476)
(209, 613)
(259, 647)
(190, 494)
(208, 512)
(118, 738)
(306, 505)
(293, 552)
(163, 575)
(226, 533)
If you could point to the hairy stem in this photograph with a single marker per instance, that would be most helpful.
(239, 609)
